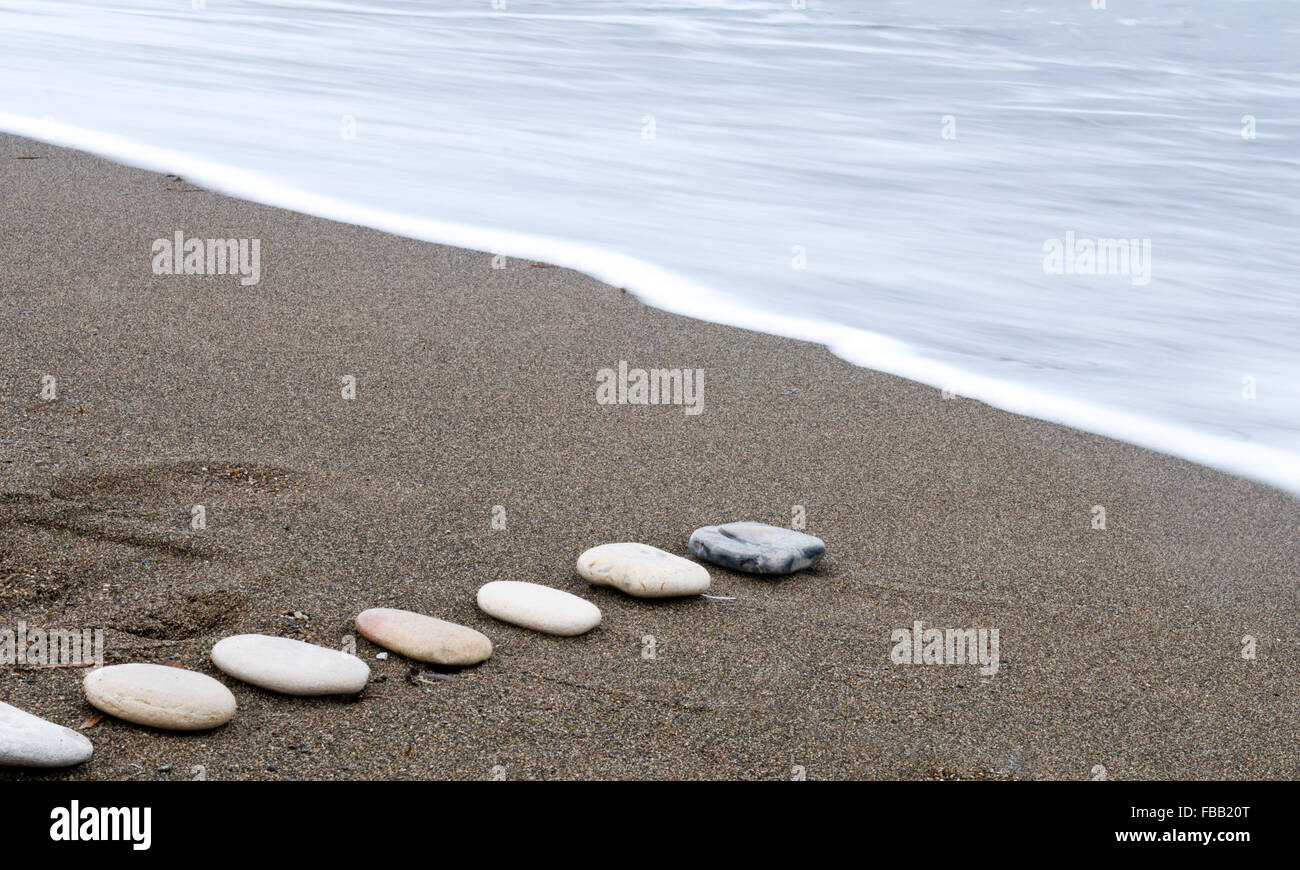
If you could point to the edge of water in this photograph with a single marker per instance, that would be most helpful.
(668, 291)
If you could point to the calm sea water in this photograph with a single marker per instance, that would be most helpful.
(881, 177)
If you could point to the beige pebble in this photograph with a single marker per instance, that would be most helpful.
(30, 741)
(291, 667)
(424, 638)
(642, 570)
(540, 608)
(160, 696)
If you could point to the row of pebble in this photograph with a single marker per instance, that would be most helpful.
(174, 698)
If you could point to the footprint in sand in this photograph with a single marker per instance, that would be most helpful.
(119, 546)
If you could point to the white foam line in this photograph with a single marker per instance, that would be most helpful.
(671, 292)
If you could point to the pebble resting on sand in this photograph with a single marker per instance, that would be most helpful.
(289, 666)
(30, 741)
(160, 696)
(757, 548)
(540, 608)
(424, 638)
(642, 570)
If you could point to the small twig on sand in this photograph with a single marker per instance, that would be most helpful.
(65, 665)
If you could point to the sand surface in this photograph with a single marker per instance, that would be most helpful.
(476, 388)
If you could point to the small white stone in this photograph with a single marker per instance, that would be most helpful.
(289, 666)
(424, 638)
(642, 570)
(160, 696)
(540, 608)
(30, 741)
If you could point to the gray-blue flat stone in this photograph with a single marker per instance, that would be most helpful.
(757, 548)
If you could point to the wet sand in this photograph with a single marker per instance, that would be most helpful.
(476, 388)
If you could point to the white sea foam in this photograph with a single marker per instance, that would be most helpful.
(522, 133)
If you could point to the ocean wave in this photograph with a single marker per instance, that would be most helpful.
(667, 290)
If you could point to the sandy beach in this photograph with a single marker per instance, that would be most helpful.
(1121, 648)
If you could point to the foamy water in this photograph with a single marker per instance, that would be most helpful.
(879, 178)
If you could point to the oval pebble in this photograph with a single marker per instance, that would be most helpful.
(160, 696)
(424, 638)
(757, 548)
(642, 570)
(291, 667)
(30, 741)
(540, 608)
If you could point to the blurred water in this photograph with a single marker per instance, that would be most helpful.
(698, 151)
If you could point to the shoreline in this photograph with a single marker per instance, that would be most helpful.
(477, 388)
(676, 294)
